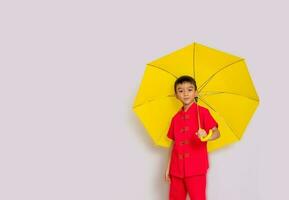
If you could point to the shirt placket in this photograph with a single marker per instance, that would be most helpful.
(184, 153)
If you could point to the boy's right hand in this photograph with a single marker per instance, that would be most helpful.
(167, 176)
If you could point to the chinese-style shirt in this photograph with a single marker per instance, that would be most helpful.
(189, 154)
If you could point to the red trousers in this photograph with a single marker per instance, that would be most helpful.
(194, 185)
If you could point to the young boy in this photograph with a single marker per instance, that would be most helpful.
(188, 159)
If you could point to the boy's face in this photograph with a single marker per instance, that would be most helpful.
(186, 92)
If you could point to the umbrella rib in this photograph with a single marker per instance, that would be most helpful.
(221, 116)
(170, 95)
(155, 99)
(150, 65)
(221, 92)
(194, 61)
(226, 66)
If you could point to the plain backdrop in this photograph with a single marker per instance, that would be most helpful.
(69, 73)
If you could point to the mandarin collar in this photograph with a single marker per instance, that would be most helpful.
(192, 106)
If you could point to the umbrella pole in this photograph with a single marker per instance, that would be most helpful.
(198, 113)
(199, 123)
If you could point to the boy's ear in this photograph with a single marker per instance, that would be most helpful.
(196, 93)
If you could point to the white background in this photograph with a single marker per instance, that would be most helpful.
(69, 73)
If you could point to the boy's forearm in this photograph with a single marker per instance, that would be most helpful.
(215, 135)
(169, 162)
(169, 155)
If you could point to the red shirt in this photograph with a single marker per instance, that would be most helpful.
(189, 154)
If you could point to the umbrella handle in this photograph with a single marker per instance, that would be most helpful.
(203, 139)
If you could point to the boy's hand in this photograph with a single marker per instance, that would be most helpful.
(167, 176)
(201, 133)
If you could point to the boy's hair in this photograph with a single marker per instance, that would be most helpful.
(183, 79)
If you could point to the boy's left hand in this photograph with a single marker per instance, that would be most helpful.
(201, 133)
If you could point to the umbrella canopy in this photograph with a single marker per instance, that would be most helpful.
(224, 87)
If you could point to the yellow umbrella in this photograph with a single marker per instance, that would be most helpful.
(224, 85)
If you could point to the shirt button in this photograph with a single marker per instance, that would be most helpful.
(184, 142)
(185, 116)
(184, 129)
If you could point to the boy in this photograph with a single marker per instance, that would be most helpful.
(188, 159)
